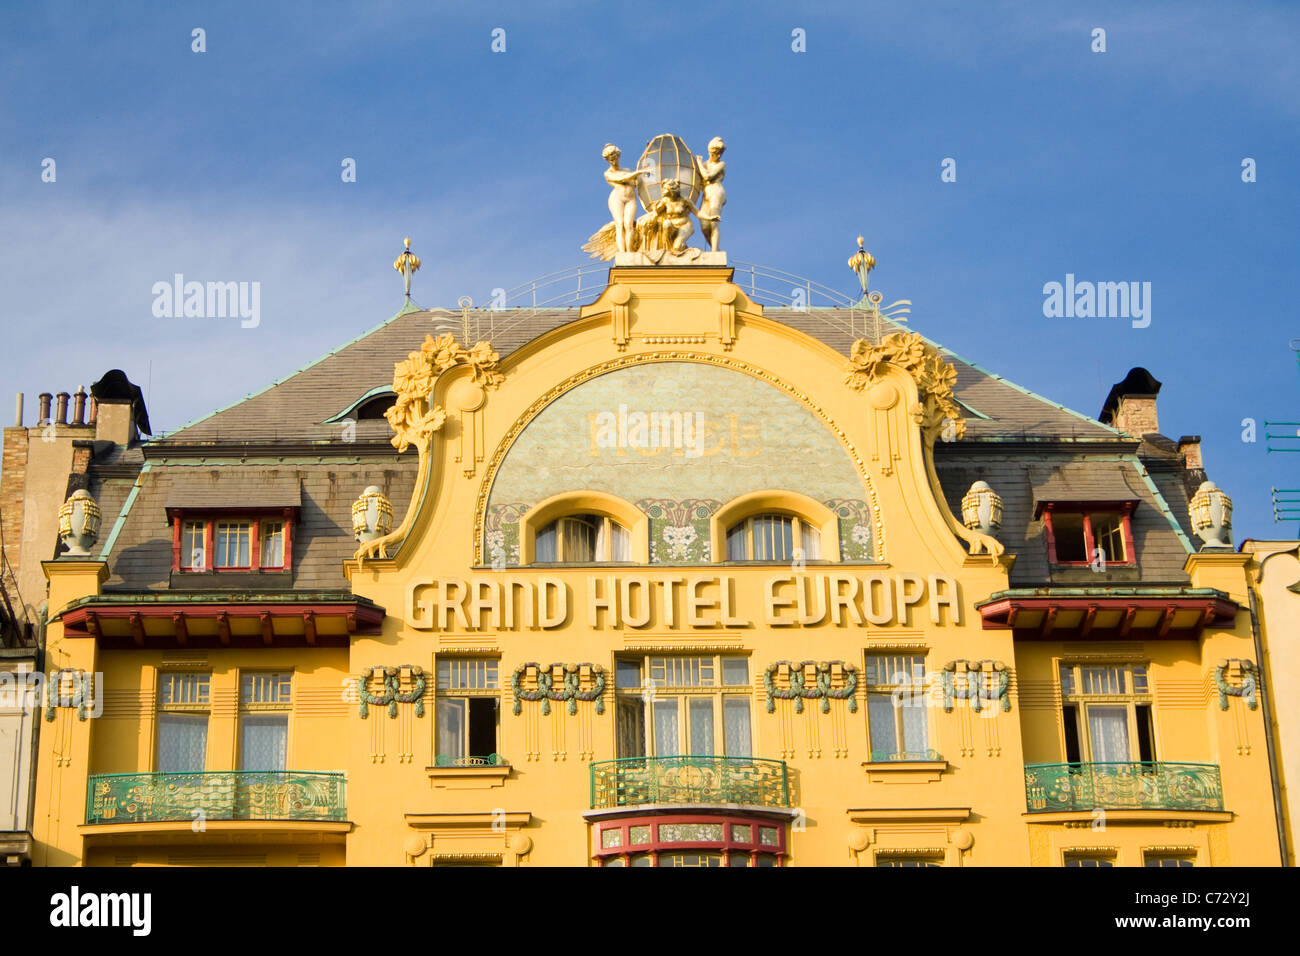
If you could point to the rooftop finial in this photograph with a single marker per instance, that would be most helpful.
(862, 262)
(408, 263)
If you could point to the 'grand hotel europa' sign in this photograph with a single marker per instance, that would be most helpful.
(617, 601)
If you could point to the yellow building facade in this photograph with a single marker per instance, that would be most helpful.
(669, 580)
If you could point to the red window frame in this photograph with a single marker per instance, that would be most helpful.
(209, 518)
(1088, 508)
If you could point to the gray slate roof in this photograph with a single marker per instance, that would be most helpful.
(1026, 446)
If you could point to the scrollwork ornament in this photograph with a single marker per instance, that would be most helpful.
(934, 377)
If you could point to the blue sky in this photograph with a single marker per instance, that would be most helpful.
(225, 165)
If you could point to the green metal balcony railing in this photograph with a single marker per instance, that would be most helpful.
(637, 781)
(1122, 786)
(224, 795)
(491, 760)
(904, 756)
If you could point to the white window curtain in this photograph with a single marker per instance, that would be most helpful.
(735, 726)
(620, 543)
(702, 726)
(916, 736)
(451, 728)
(880, 715)
(1108, 731)
(667, 738)
(812, 542)
(182, 743)
(264, 742)
(546, 544)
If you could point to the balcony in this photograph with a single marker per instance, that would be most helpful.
(117, 798)
(1057, 787)
(715, 781)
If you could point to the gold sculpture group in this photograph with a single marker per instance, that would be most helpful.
(666, 225)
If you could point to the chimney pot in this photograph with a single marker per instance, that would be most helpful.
(61, 408)
(18, 411)
(79, 406)
(45, 399)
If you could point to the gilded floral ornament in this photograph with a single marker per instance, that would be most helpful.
(937, 411)
(415, 418)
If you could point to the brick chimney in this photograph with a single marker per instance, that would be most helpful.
(1131, 404)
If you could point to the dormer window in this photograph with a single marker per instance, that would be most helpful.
(222, 526)
(1081, 532)
(231, 543)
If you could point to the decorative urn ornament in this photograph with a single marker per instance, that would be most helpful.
(79, 523)
(372, 515)
(1211, 512)
(981, 509)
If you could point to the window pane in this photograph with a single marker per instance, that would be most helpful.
(264, 742)
(271, 688)
(1139, 673)
(193, 546)
(1103, 679)
(631, 727)
(545, 544)
(1067, 680)
(701, 710)
(812, 542)
(880, 716)
(667, 738)
(627, 675)
(1108, 732)
(916, 738)
(182, 743)
(451, 727)
(183, 688)
(735, 726)
(578, 539)
(272, 538)
(233, 540)
(620, 543)
(735, 671)
(736, 550)
(1108, 534)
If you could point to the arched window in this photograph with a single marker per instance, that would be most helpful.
(583, 539)
(773, 536)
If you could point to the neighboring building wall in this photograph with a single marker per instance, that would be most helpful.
(1277, 591)
(19, 717)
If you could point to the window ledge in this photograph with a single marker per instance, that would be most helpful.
(905, 771)
(468, 778)
(1080, 818)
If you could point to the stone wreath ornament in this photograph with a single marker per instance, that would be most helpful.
(1246, 689)
(392, 695)
(975, 673)
(821, 689)
(80, 691)
(570, 691)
